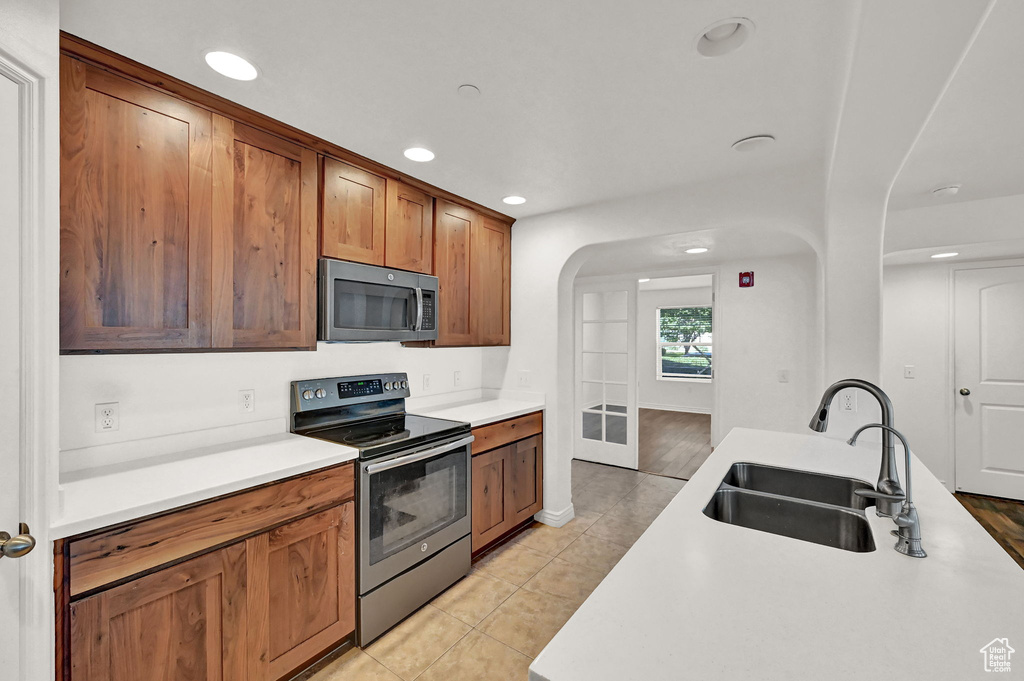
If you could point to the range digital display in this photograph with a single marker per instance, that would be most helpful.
(360, 388)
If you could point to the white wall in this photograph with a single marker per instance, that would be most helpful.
(693, 395)
(168, 394)
(915, 331)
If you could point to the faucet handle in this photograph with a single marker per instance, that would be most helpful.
(873, 494)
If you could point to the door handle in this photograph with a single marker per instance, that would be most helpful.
(16, 547)
(965, 391)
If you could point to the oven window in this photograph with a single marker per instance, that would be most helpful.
(410, 503)
(372, 306)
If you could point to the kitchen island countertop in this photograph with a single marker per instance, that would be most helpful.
(699, 599)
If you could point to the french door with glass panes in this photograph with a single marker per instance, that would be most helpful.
(605, 420)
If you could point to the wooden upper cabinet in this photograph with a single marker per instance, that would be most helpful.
(409, 244)
(302, 586)
(264, 240)
(453, 230)
(490, 282)
(136, 193)
(183, 623)
(353, 213)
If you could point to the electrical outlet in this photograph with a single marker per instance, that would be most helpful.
(247, 400)
(909, 371)
(457, 379)
(426, 381)
(848, 401)
(107, 418)
(783, 375)
(524, 378)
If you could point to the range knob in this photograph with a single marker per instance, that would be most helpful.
(405, 385)
(307, 394)
(320, 393)
(387, 386)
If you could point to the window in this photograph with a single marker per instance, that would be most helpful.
(684, 342)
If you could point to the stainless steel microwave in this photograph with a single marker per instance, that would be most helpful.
(367, 303)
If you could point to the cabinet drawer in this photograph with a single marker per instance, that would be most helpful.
(114, 554)
(503, 432)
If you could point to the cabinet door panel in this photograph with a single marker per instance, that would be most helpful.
(264, 256)
(302, 590)
(490, 284)
(492, 516)
(526, 475)
(410, 229)
(136, 196)
(353, 213)
(453, 230)
(184, 623)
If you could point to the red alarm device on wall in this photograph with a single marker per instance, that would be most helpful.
(746, 279)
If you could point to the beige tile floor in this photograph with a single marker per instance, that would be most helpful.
(491, 624)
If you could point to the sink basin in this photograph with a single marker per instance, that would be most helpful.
(842, 528)
(796, 484)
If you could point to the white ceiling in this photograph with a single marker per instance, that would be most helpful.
(666, 255)
(975, 137)
(583, 100)
(673, 283)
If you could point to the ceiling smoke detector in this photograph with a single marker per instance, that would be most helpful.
(725, 36)
(946, 191)
(753, 143)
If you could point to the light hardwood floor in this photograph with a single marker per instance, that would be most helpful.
(673, 443)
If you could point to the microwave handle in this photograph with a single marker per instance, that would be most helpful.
(419, 310)
(418, 456)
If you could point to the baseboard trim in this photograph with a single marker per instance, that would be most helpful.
(672, 407)
(556, 519)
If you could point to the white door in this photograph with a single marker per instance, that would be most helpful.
(989, 381)
(605, 415)
(10, 371)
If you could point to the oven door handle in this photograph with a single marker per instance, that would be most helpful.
(418, 456)
(418, 326)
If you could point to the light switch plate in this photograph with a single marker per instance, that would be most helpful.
(909, 371)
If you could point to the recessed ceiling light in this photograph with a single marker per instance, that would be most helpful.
(642, 280)
(725, 36)
(469, 91)
(694, 251)
(419, 154)
(231, 65)
(752, 143)
(514, 200)
(945, 255)
(948, 190)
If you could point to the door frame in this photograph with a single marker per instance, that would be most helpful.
(38, 308)
(951, 349)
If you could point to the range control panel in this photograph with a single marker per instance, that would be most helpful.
(346, 390)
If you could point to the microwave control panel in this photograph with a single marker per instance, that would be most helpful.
(429, 316)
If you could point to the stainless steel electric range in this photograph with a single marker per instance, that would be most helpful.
(413, 491)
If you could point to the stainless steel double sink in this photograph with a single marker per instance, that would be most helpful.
(814, 507)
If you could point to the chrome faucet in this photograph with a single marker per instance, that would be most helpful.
(908, 536)
(889, 494)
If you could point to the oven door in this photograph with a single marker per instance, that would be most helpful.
(411, 506)
(366, 303)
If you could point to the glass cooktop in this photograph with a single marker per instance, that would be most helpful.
(375, 437)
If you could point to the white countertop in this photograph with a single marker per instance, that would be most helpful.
(481, 412)
(695, 598)
(91, 499)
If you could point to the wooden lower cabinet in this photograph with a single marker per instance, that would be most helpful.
(301, 591)
(183, 623)
(258, 609)
(507, 489)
